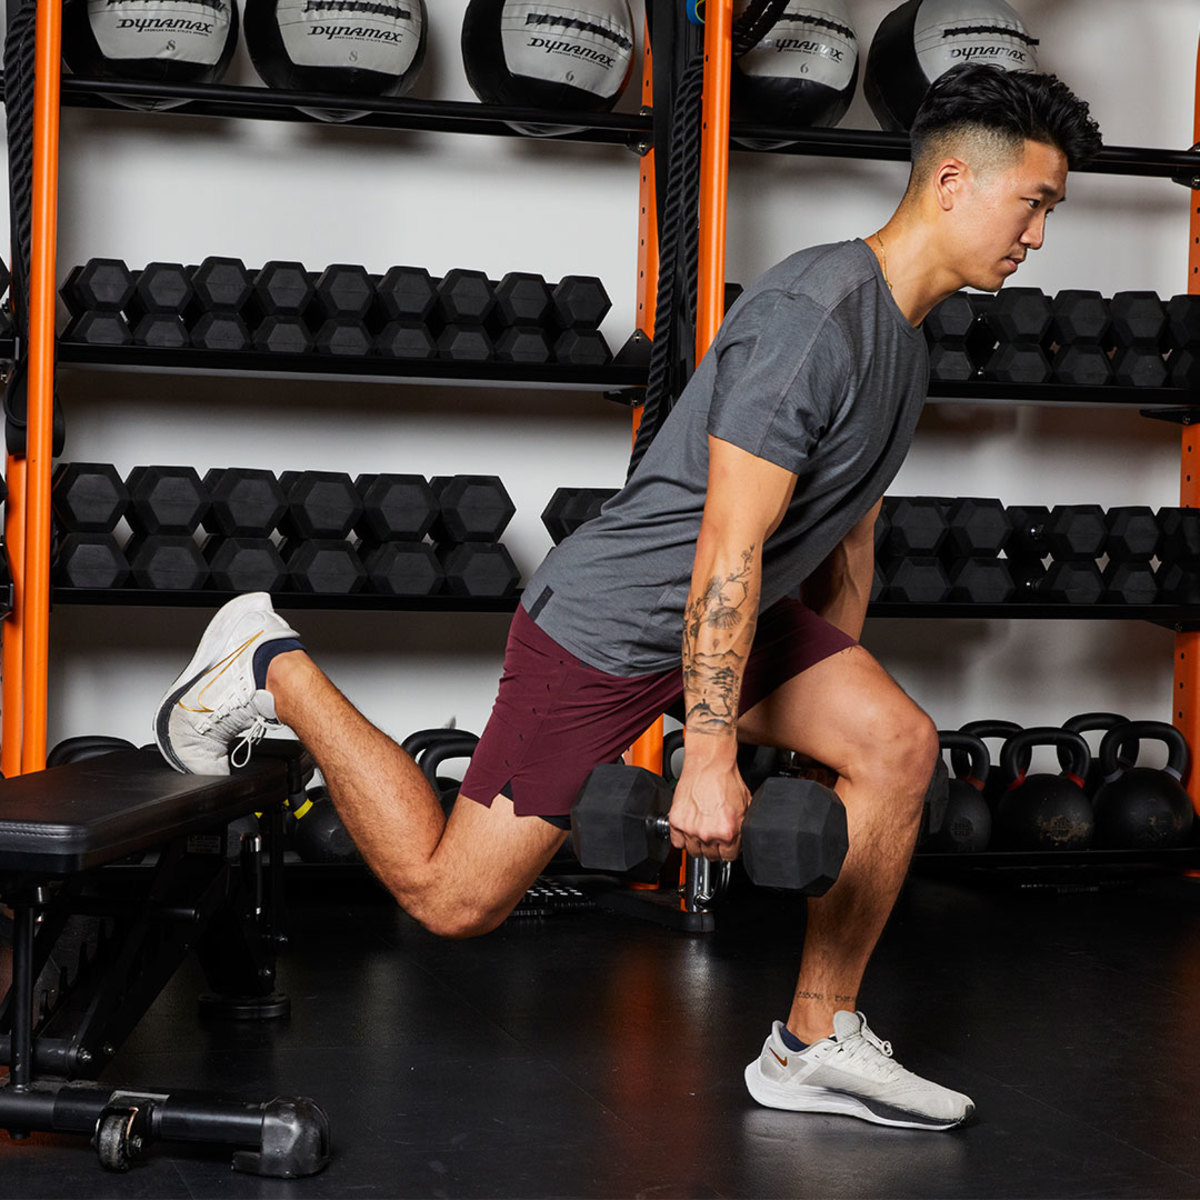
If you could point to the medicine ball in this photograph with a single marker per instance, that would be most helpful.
(922, 39)
(338, 46)
(565, 56)
(803, 72)
(163, 41)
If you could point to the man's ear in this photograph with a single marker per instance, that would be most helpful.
(949, 181)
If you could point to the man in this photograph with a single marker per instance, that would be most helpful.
(767, 476)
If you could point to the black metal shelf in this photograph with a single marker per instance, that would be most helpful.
(212, 598)
(368, 368)
(374, 112)
(1032, 863)
(628, 129)
(1174, 616)
(982, 391)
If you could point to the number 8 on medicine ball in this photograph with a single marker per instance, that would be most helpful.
(922, 39)
(337, 46)
(568, 55)
(152, 41)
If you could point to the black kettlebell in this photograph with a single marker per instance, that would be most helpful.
(1089, 722)
(454, 743)
(318, 834)
(1140, 808)
(88, 745)
(967, 825)
(995, 783)
(1045, 812)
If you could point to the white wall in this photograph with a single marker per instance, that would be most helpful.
(144, 188)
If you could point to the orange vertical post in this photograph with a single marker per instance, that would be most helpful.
(1185, 709)
(647, 750)
(35, 614)
(714, 171)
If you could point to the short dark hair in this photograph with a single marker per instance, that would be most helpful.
(1016, 106)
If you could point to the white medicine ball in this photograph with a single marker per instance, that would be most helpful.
(156, 41)
(353, 47)
(558, 55)
(922, 39)
(804, 70)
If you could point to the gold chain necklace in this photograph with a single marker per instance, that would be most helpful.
(883, 263)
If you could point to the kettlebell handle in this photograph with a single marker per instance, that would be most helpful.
(1119, 747)
(984, 729)
(1017, 752)
(672, 742)
(970, 750)
(1088, 721)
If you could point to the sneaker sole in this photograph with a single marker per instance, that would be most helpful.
(801, 1098)
(213, 638)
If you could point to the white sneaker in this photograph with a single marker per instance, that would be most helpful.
(852, 1072)
(215, 701)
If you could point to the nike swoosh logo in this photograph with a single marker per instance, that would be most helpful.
(217, 670)
(781, 1061)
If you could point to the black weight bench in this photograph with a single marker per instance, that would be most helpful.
(98, 933)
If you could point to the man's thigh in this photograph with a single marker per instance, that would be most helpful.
(837, 711)
(493, 856)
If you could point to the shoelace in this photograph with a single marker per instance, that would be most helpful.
(240, 755)
(865, 1048)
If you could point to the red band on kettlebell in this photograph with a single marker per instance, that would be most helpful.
(1016, 783)
(975, 783)
(1073, 778)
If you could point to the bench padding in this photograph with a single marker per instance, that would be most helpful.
(67, 819)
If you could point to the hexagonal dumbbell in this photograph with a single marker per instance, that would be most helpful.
(1183, 321)
(395, 508)
(321, 505)
(1131, 582)
(1137, 318)
(523, 298)
(1180, 529)
(166, 562)
(1020, 314)
(246, 502)
(975, 528)
(88, 497)
(465, 297)
(580, 301)
(89, 560)
(981, 581)
(405, 294)
(282, 294)
(99, 285)
(1027, 542)
(1073, 582)
(465, 343)
(523, 344)
(1076, 532)
(343, 295)
(1184, 367)
(471, 508)
(1085, 364)
(483, 569)
(571, 507)
(919, 580)
(1018, 362)
(405, 339)
(916, 525)
(1133, 533)
(403, 569)
(1078, 316)
(244, 564)
(793, 836)
(221, 284)
(582, 347)
(325, 566)
(165, 500)
(161, 295)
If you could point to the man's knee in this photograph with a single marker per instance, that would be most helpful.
(900, 750)
(450, 911)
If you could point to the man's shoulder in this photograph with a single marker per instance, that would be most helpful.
(825, 275)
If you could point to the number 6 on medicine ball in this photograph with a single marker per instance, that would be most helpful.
(153, 41)
(567, 55)
(342, 46)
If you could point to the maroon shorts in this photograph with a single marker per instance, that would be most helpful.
(555, 717)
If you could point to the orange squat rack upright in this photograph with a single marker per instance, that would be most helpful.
(1186, 706)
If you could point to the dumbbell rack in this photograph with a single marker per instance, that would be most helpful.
(28, 522)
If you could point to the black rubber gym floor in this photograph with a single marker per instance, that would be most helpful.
(593, 1055)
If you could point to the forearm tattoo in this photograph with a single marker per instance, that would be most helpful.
(715, 644)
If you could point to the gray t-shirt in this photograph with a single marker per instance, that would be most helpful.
(815, 369)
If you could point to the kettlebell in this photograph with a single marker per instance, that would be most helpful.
(454, 743)
(1086, 723)
(1140, 808)
(995, 783)
(318, 834)
(1044, 812)
(967, 825)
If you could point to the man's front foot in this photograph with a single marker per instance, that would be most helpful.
(852, 1072)
(218, 698)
